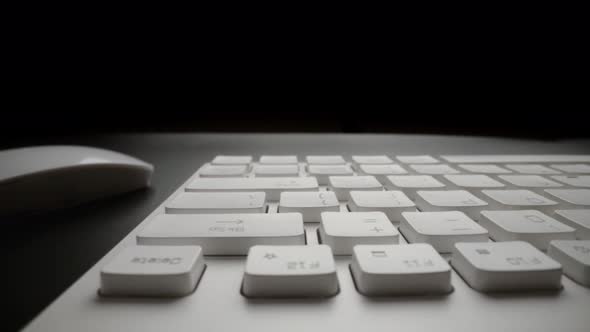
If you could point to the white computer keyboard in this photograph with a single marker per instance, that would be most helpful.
(385, 242)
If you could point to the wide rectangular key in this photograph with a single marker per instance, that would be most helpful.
(532, 169)
(343, 230)
(573, 168)
(441, 229)
(505, 266)
(531, 226)
(290, 271)
(412, 269)
(381, 171)
(581, 181)
(276, 170)
(323, 172)
(232, 160)
(342, 185)
(450, 200)
(217, 202)
(374, 160)
(213, 171)
(325, 160)
(309, 204)
(417, 159)
(484, 168)
(153, 271)
(578, 219)
(278, 160)
(574, 256)
(434, 169)
(224, 234)
(271, 186)
(518, 200)
(534, 183)
(392, 203)
(410, 184)
(574, 198)
(471, 181)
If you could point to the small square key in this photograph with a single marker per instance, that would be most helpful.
(535, 183)
(573, 168)
(450, 200)
(518, 200)
(419, 159)
(532, 169)
(342, 185)
(410, 184)
(290, 271)
(411, 269)
(381, 171)
(471, 181)
(435, 169)
(574, 198)
(276, 170)
(374, 160)
(574, 256)
(581, 181)
(525, 225)
(343, 230)
(392, 203)
(505, 266)
(441, 229)
(325, 160)
(309, 204)
(232, 160)
(217, 202)
(484, 168)
(278, 160)
(323, 172)
(219, 171)
(578, 219)
(153, 271)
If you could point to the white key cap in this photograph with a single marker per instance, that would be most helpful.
(342, 185)
(505, 266)
(574, 256)
(435, 169)
(380, 270)
(212, 171)
(222, 202)
(582, 181)
(276, 170)
(325, 160)
(153, 271)
(309, 204)
(278, 160)
(232, 160)
(532, 169)
(343, 230)
(410, 184)
(484, 168)
(573, 168)
(578, 219)
(518, 200)
(271, 186)
(450, 200)
(575, 198)
(441, 229)
(531, 226)
(224, 234)
(535, 183)
(375, 160)
(471, 181)
(323, 172)
(392, 203)
(290, 271)
(517, 158)
(423, 159)
(381, 171)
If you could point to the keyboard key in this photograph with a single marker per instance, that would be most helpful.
(232, 160)
(450, 200)
(290, 271)
(343, 230)
(223, 170)
(309, 204)
(224, 234)
(517, 158)
(278, 160)
(153, 271)
(437, 169)
(535, 183)
(381, 171)
(573, 168)
(271, 186)
(381, 270)
(441, 229)
(221, 202)
(392, 203)
(578, 219)
(472, 181)
(410, 184)
(532, 169)
(518, 200)
(342, 185)
(505, 266)
(531, 226)
(276, 170)
(423, 159)
(484, 168)
(574, 256)
(323, 172)
(325, 160)
(374, 160)
(582, 181)
(575, 198)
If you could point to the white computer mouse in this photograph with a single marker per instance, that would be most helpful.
(37, 179)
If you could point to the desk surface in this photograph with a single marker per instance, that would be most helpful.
(47, 253)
